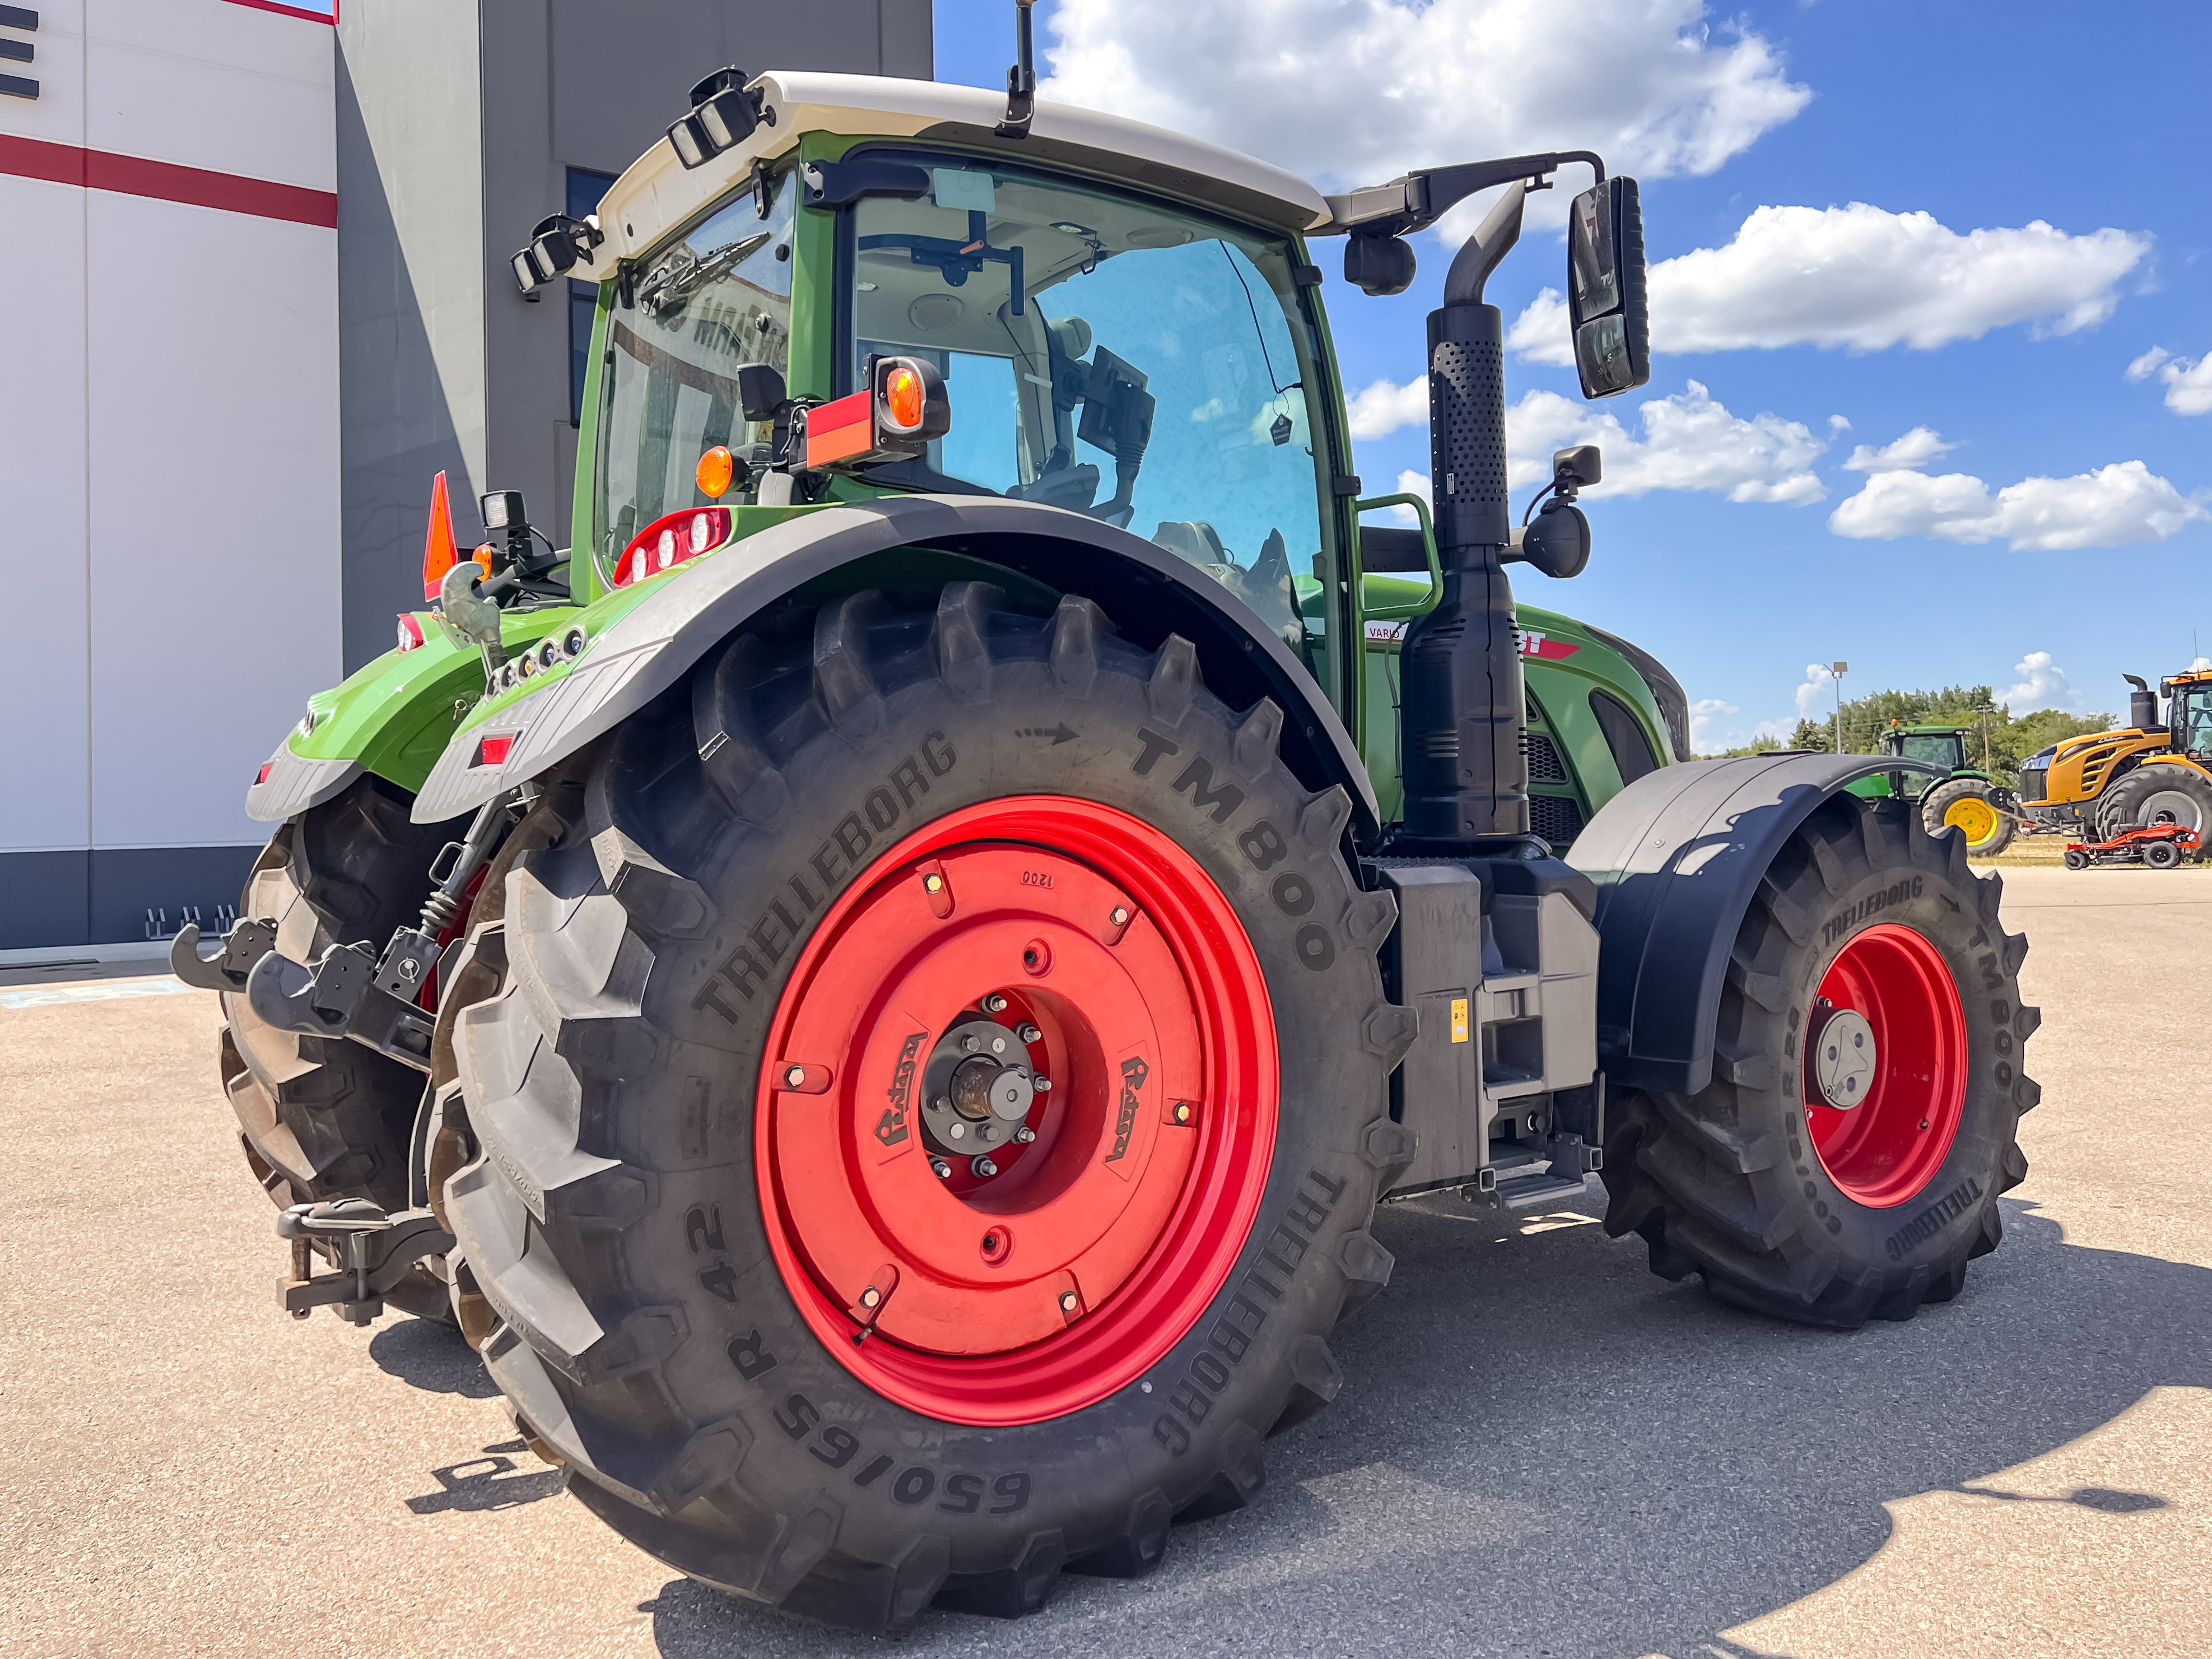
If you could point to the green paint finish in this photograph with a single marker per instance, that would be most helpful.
(584, 580)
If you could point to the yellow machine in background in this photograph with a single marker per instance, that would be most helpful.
(2150, 772)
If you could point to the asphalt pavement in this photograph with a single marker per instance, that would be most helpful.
(1541, 1450)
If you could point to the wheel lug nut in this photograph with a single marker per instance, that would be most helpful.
(940, 1168)
(794, 1075)
(1028, 1033)
(1041, 1085)
(994, 1004)
(1068, 1301)
(970, 1043)
(1119, 917)
(1025, 1134)
(1183, 1111)
(871, 1297)
(932, 884)
(982, 1167)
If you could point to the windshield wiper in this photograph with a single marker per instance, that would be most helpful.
(672, 283)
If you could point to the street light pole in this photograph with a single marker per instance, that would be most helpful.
(1839, 669)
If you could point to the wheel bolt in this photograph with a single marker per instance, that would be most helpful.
(994, 1004)
(1183, 1111)
(795, 1075)
(1028, 1033)
(1041, 1085)
(970, 1043)
(871, 1297)
(940, 1168)
(1119, 917)
(932, 884)
(1067, 1301)
(1025, 1134)
(982, 1168)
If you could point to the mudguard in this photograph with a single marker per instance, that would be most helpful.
(1676, 857)
(291, 783)
(652, 646)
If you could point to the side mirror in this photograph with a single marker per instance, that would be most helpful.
(761, 394)
(1605, 289)
(1577, 469)
(1378, 264)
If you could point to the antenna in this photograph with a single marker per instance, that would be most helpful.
(1021, 80)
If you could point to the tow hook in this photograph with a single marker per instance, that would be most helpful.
(343, 994)
(376, 1251)
(246, 944)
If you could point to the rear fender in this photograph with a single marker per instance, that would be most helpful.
(1677, 856)
(1148, 591)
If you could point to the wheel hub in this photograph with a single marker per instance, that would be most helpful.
(1035, 1106)
(1844, 1055)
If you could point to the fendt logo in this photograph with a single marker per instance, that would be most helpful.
(1534, 643)
(890, 1128)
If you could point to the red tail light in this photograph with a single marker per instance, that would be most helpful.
(410, 631)
(262, 777)
(492, 749)
(667, 542)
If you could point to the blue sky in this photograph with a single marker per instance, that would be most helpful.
(1988, 119)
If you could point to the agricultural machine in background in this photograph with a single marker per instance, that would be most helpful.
(2149, 772)
(881, 987)
(1951, 795)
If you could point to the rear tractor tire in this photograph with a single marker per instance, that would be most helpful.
(924, 1109)
(1870, 971)
(323, 1117)
(1970, 806)
(2153, 795)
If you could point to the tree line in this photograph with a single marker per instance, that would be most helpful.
(1993, 730)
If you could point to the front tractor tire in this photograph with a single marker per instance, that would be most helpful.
(1973, 808)
(1871, 971)
(892, 891)
(323, 1117)
(2153, 795)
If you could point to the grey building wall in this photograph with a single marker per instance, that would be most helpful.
(457, 123)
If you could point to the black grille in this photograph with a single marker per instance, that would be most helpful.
(1544, 763)
(2033, 782)
(1556, 819)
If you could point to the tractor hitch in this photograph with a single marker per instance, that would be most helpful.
(376, 1251)
(245, 945)
(344, 995)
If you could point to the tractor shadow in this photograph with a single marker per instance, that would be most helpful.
(432, 1357)
(1542, 1449)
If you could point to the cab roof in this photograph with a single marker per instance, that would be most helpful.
(658, 193)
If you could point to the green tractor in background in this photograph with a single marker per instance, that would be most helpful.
(1951, 795)
(880, 985)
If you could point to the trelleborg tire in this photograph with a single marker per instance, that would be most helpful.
(2164, 794)
(1832, 1215)
(1969, 805)
(701, 1090)
(322, 1117)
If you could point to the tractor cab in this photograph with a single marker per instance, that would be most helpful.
(1940, 746)
(2188, 713)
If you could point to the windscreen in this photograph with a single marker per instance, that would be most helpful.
(1114, 357)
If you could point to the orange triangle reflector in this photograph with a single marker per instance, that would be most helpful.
(440, 553)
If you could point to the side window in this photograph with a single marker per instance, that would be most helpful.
(584, 190)
(1624, 735)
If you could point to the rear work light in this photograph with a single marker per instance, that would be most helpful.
(667, 542)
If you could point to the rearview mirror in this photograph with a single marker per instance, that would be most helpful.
(1605, 289)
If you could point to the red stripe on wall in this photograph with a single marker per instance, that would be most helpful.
(166, 181)
(330, 16)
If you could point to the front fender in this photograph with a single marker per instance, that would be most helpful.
(1676, 857)
(682, 615)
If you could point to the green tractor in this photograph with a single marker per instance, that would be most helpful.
(880, 985)
(1950, 794)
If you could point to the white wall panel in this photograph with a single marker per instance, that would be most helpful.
(43, 732)
(57, 114)
(213, 508)
(230, 88)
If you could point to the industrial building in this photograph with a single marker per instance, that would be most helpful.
(257, 287)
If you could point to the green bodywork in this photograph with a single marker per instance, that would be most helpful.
(397, 714)
(1939, 745)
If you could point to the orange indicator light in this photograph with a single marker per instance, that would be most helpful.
(716, 469)
(904, 399)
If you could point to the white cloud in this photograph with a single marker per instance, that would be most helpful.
(1688, 441)
(2188, 382)
(1909, 453)
(1352, 92)
(1814, 690)
(2200, 665)
(2042, 685)
(1385, 406)
(1412, 484)
(2122, 505)
(1864, 279)
(1704, 714)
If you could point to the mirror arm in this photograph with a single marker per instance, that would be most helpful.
(1479, 255)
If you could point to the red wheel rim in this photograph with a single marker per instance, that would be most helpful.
(1884, 1151)
(1098, 1245)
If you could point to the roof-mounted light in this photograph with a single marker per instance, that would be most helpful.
(558, 244)
(723, 116)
